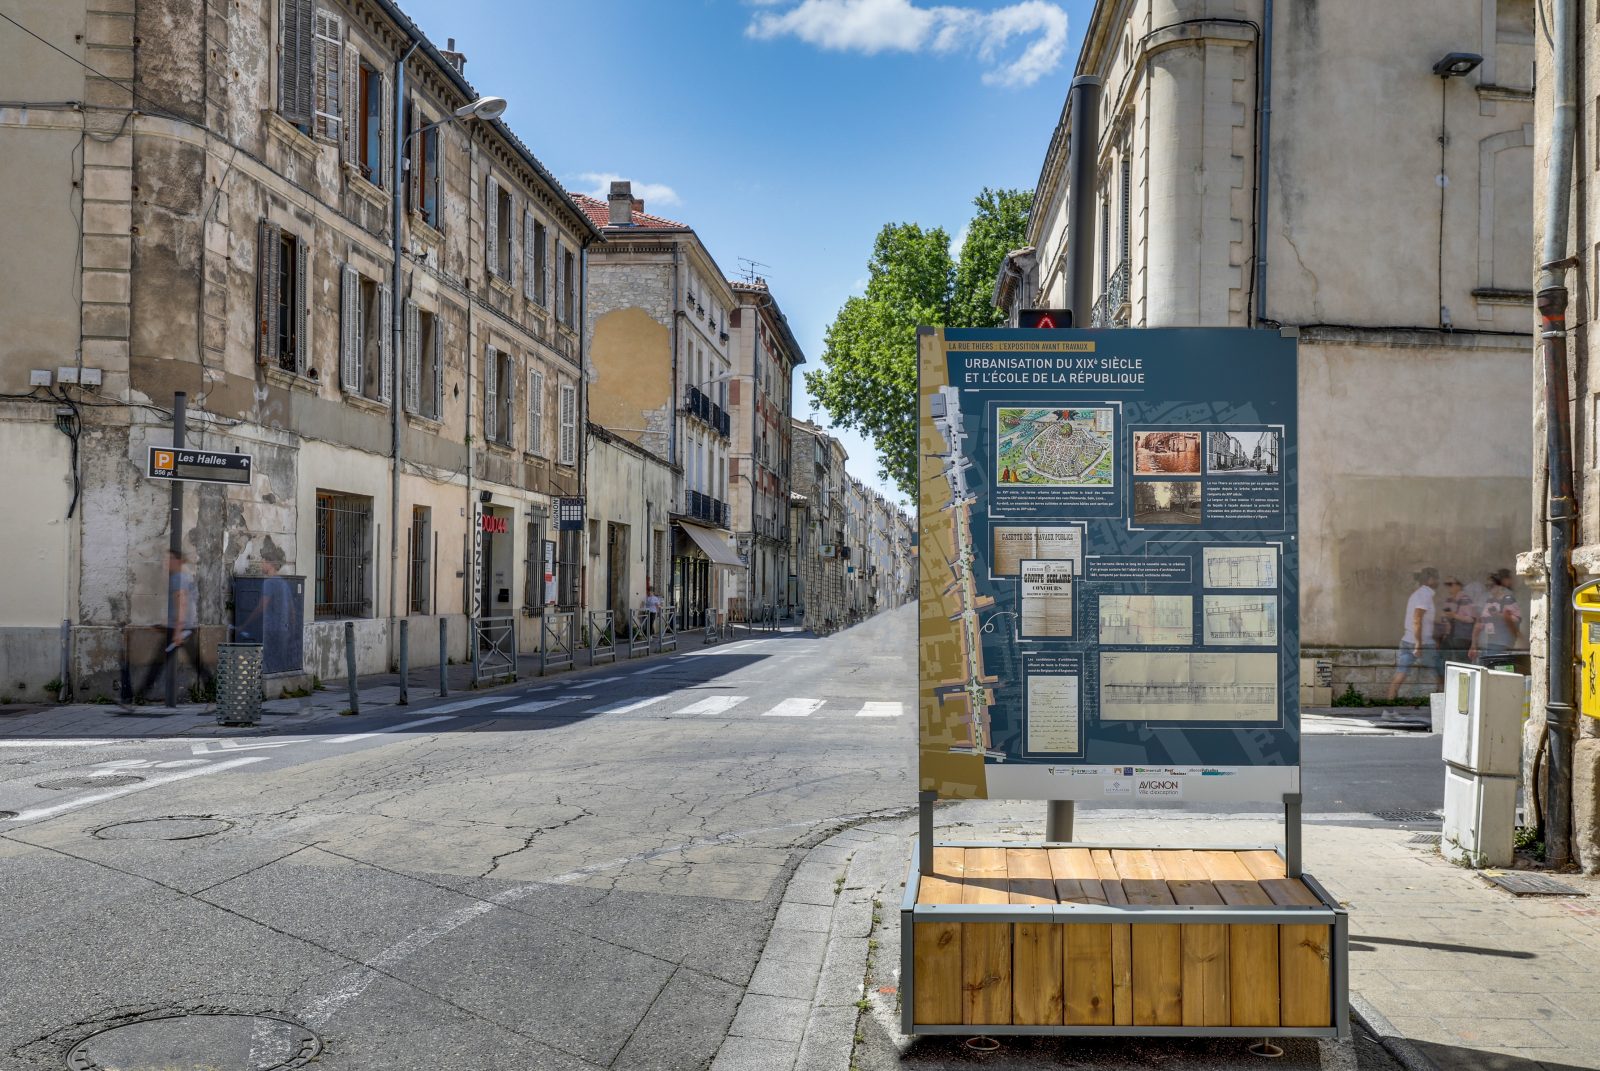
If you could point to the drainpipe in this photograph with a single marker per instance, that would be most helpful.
(1552, 306)
(1263, 156)
(1082, 165)
(397, 336)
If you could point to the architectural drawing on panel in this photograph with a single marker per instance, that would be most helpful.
(1188, 686)
(1241, 567)
(1055, 447)
(1246, 453)
(1241, 620)
(1015, 544)
(1147, 620)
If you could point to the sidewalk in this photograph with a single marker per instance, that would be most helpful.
(1447, 972)
(375, 693)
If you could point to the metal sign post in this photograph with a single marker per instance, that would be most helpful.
(174, 540)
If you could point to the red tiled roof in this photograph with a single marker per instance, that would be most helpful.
(599, 214)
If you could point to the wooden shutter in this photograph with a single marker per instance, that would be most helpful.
(302, 344)
(527, 255)
(268, 251)
(350, 330)
(569, 424)
(385, 342)
(295, 61)
(386, 138)
(508, 383)
(438, 367)
(536, 412)
(416, 174)
(508, 267)
(491, 396)
(491, 225)
(557, 258)
(350, 144)
(412, 327)
(541, 255)
(328, 48)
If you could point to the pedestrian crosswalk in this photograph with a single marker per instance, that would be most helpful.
(742, 706)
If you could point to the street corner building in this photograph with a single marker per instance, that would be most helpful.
(207, 197)
(1365, 178)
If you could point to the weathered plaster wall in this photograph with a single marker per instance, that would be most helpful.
(626, 488)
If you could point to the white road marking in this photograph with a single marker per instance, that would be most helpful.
(793, 708)
(208, 747)
(540, 704)
(467, 704)
(147, 764)
(353, 737)
(66, 743)
(598, 680)
(715, 704)
(650, 669)
(623, 708)
(881, 710)
(154, 782)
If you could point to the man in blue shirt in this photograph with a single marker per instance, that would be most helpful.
(181, 632)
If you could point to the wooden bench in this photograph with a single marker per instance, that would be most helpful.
(1031, 939)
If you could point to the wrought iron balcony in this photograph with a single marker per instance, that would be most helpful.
(1113, 309)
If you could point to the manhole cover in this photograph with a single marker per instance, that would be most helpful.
(176, 827)
(111, 781)
(5, 815)
(1424, 838)
(1409, 816)
(199, 1042)
(1531, 885)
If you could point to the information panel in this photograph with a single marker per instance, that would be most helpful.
(1109, 564)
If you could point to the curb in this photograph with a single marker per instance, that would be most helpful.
(1405, 1052)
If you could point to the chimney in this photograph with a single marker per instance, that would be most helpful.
(638, 204)
(620, 202)
(458, 60)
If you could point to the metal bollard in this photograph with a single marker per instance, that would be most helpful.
(444, 659)
(350, 666)
(405, 646)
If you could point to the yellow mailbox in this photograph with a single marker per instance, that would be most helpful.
(1586, 600)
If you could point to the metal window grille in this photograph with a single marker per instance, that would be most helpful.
(421, 545)
(344, 559)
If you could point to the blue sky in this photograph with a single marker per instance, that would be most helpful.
(785, 131)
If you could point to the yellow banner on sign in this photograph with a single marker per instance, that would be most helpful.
(1009, 346)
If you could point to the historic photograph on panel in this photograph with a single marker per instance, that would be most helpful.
(1055, 447)
(1187, 686)
(1242, 453)
(1241, 620)
(1157, 453)
(1047, 599)
(1166, 502)
(1053, 723)
(1147, 620)
(1013, 544)
(1241, 567)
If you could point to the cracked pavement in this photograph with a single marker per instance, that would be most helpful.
(585, 883)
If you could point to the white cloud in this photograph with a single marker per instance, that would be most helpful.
(873, 26)
(598, 185)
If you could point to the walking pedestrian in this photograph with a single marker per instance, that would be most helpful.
(1457, 619)
(1418, 646)
(181, 632)
(652, 607)
(1499, 623)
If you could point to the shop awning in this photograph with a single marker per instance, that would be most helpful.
(718, 547)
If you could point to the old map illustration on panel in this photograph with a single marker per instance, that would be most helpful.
(1055, 447)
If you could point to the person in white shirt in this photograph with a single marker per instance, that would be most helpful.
(1418, 646)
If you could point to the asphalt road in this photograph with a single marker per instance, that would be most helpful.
(572, 874)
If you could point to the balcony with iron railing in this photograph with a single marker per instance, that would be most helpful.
(699, 405)
(1113, 308)
(702, 507)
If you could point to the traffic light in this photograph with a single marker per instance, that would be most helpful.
(1046, 318)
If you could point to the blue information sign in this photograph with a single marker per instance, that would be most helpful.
(1109, 564)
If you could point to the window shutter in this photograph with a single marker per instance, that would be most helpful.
(569, 424)
(414, 150)
(386, 139)
(302, 344)
(508, 268)
(413, 357)
(557, 258)
(527, 255)
(508, 403)
(327, 79)
(350, 331)
(491, 225)
(542, 241)
(351, 142)
(438, 367)
(268, 251)
(294, 69)
(491, 397)
(536, 412)
(385, 342)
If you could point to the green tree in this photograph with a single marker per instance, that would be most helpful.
(868, 378)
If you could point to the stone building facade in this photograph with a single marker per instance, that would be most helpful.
(1394, 233)
(657, 323)
(233, 173)
(760, 397)
(818, 525)
(629, 506)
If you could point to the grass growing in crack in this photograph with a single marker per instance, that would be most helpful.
(838, 885)
(863, 1004)
(872, 943)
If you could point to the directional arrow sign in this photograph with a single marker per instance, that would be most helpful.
(198, 466)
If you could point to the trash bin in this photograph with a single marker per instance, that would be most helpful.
(238, 683)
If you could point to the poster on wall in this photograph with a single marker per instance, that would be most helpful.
(1109, 564)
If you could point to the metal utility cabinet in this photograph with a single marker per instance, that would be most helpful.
(1483, 757)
